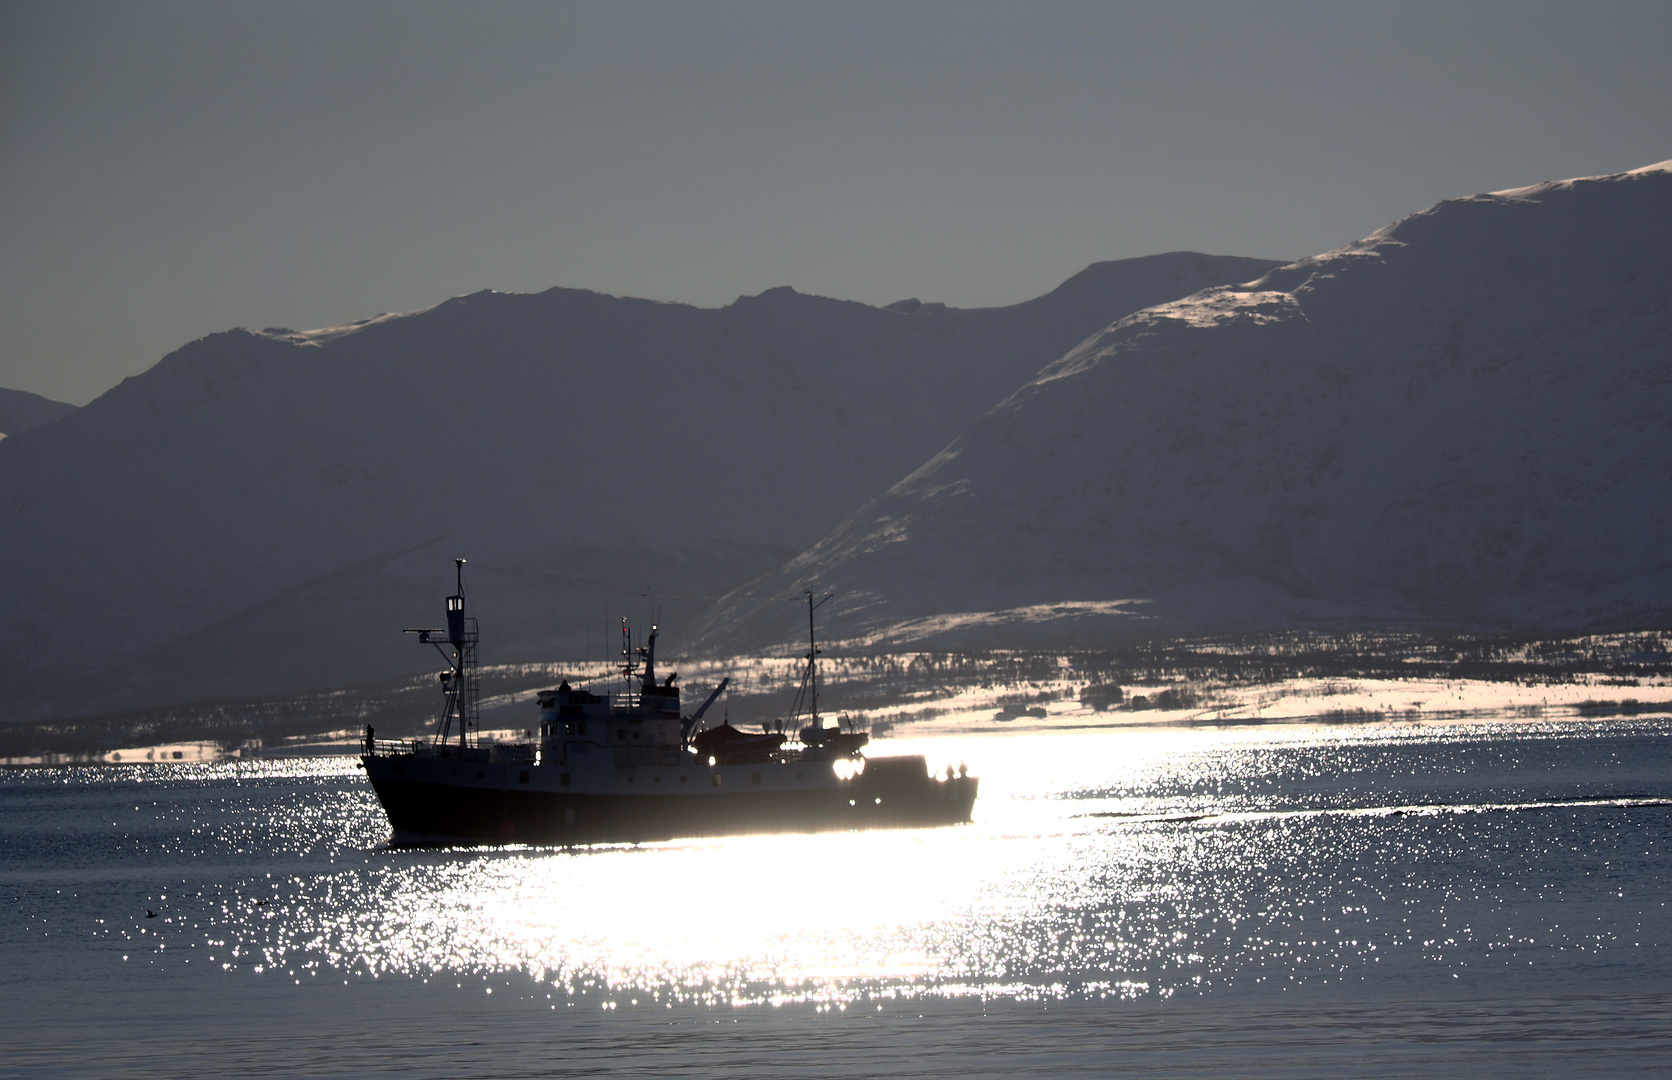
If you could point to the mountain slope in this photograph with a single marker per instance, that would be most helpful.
(1464, 420)
(262, 511)
(22, 411)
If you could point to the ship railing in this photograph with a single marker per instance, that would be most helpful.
(391, 747)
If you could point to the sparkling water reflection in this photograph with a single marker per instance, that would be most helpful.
(1102, 866)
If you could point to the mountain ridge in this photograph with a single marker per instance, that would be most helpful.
(21, 411)
(1416, 429)
(616, 438)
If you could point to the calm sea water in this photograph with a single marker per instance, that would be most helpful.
(1244, 902)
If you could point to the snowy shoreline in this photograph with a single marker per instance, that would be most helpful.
(1292, 703)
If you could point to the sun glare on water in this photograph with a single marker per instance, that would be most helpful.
(754, 918)
(1099, 864)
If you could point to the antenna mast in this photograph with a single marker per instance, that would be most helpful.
(808, 696)
(813, 659)
(460, 682)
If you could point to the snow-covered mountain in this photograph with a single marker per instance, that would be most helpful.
(22, 411)
(262, 511)
(1464, 420)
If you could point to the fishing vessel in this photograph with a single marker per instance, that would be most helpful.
(629, 766)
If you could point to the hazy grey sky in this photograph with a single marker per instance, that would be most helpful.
(172, 169)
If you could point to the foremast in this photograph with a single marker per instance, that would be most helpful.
(460, 683)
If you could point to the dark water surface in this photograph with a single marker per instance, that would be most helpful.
(1368, 901)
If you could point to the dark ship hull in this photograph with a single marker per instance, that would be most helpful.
(890, 797)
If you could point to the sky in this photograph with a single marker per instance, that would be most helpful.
(169, 170)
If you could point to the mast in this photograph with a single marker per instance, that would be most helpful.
(456, 635)
(808, 696)
(460, 683)
(629, 664)
(813, 660)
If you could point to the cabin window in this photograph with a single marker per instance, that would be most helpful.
(755, 779)
(522, 777)
(564, 779)
(716, 779)
(398, 769)
(621, 734)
